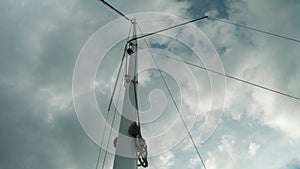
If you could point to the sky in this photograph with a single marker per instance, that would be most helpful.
(41, 41)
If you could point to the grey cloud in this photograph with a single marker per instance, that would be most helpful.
(30, 140)
(40, 41)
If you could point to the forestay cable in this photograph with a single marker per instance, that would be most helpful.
(173, 100)
(99, 153)
(111, 99)
(119, 71)
(112, 126)
(102, 141)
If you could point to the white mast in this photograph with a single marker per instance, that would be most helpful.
(126, 155)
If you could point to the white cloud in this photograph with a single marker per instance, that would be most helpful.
(195, 161)
(164, 161)
(259, 58)
(224, 156)
(253, 147)
(279, 113)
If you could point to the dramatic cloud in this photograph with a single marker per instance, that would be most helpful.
(40, 42)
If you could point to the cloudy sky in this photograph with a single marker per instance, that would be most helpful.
(41, 40)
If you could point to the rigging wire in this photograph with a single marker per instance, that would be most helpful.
(111, 99)
(110, 6)
(255, 29)
(120, 68)
(112, 126)
(172, 27)
(102, 140)
(238, 25)
(173, 100)
(201, 67)
(229, 76)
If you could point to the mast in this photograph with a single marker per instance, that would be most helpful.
(126, 155)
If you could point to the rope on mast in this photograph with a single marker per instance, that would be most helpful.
(136, 103)
(134, 81)
(110, 6)
(141, 146)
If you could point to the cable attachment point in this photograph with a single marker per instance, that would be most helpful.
(210, 18)
(130, 49)
(134, 82)
(127, 79)
(133, 21)
(141, 146)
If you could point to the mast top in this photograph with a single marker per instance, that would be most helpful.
(133, 21)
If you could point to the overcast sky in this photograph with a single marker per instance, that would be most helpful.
(40, 42)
